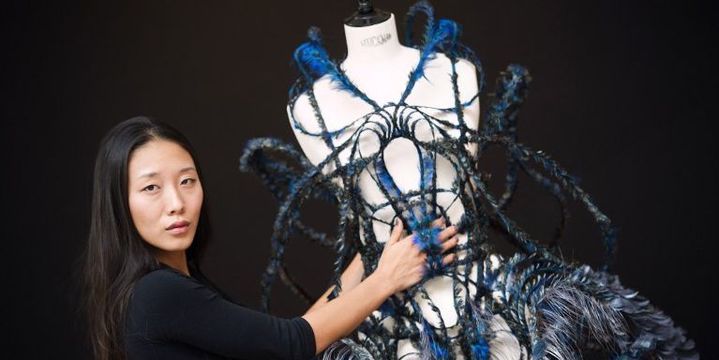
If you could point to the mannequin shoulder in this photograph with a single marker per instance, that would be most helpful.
(464, 67)
(329, 99)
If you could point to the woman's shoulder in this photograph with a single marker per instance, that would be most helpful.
(163, 285)
(161, 275)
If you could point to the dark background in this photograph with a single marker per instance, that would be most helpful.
(622, 97)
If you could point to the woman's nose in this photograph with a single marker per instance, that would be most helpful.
(175, 202)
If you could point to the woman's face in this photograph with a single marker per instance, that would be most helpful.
(165, 196)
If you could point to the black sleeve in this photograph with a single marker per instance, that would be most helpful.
(177, 308)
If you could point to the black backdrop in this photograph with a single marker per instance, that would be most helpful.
(622, 97)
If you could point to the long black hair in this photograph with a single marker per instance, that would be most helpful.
(116, 255)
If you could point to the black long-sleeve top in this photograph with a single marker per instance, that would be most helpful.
(174, 316)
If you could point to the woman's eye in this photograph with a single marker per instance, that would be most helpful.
(150, 188)
(187, 181)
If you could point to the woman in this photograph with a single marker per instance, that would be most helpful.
(146, 295)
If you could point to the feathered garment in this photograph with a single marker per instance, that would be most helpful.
(533, 305)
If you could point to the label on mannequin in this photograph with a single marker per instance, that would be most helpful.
(376, 40)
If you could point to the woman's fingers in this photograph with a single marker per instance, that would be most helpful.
(396, 231)
(448, 259)
(447, 233)
(439, 222)
(450, 243)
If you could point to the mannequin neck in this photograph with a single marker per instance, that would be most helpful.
(372, 43)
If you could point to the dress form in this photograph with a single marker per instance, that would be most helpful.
(379, 66)
(534, 302)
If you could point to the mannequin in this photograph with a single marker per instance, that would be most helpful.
(393, 133)
(379, 66)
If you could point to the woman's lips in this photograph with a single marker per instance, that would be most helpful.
(179, 230)
(179, 227)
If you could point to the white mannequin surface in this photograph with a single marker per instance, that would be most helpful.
(380, 66)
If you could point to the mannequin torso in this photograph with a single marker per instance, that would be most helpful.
(379, 66)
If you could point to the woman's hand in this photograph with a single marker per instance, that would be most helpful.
(403, 263)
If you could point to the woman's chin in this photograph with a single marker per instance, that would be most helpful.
(175, 243)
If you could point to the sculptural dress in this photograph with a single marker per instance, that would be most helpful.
(532, 305)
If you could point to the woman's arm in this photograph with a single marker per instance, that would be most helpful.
(401, 265)
(350, 278)
(170, 308)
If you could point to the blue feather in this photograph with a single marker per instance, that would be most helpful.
(314, 62)
(444, 35)
(480, 350)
